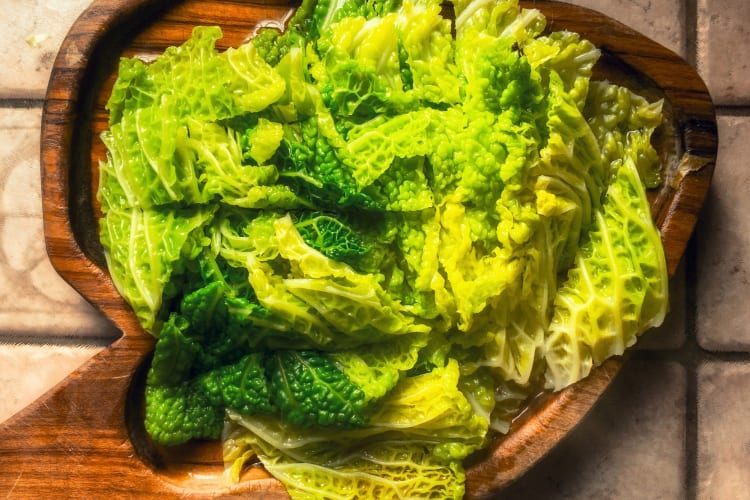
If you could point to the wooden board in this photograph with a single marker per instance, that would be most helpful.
(85, 437)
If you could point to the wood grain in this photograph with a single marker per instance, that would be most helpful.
(85, 438)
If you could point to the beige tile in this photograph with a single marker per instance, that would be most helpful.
(660, 20)
(723, 49)
(34, 299)
(28, 371)
(723, 431)
(29, 40)
(631, 446)
(20, 185)
(723, 236)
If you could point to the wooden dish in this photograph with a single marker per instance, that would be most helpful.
(85, 436)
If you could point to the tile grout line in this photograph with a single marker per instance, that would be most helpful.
(691, 360)
(57, 340)
(691, 32)
(740, 110)
(691, 434)
(21, 102)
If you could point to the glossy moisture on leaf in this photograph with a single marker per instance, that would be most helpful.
(309, 390)
(331, 236)
(177, 411)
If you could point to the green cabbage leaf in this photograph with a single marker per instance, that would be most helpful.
(365, 242)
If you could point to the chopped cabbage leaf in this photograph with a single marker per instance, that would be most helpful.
(615, 291)
(365, 241)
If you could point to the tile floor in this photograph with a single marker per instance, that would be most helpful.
(674, 424)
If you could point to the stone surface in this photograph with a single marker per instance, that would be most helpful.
(29, 43)
(723, 49)
(28, 371)
(723, 238)
(34, 299)
(723, 431)
(632, 444)
(661, 20)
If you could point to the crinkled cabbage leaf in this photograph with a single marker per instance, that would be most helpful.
(409, 223)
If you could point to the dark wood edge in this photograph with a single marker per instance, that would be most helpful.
(70, 96)
(542, 427)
